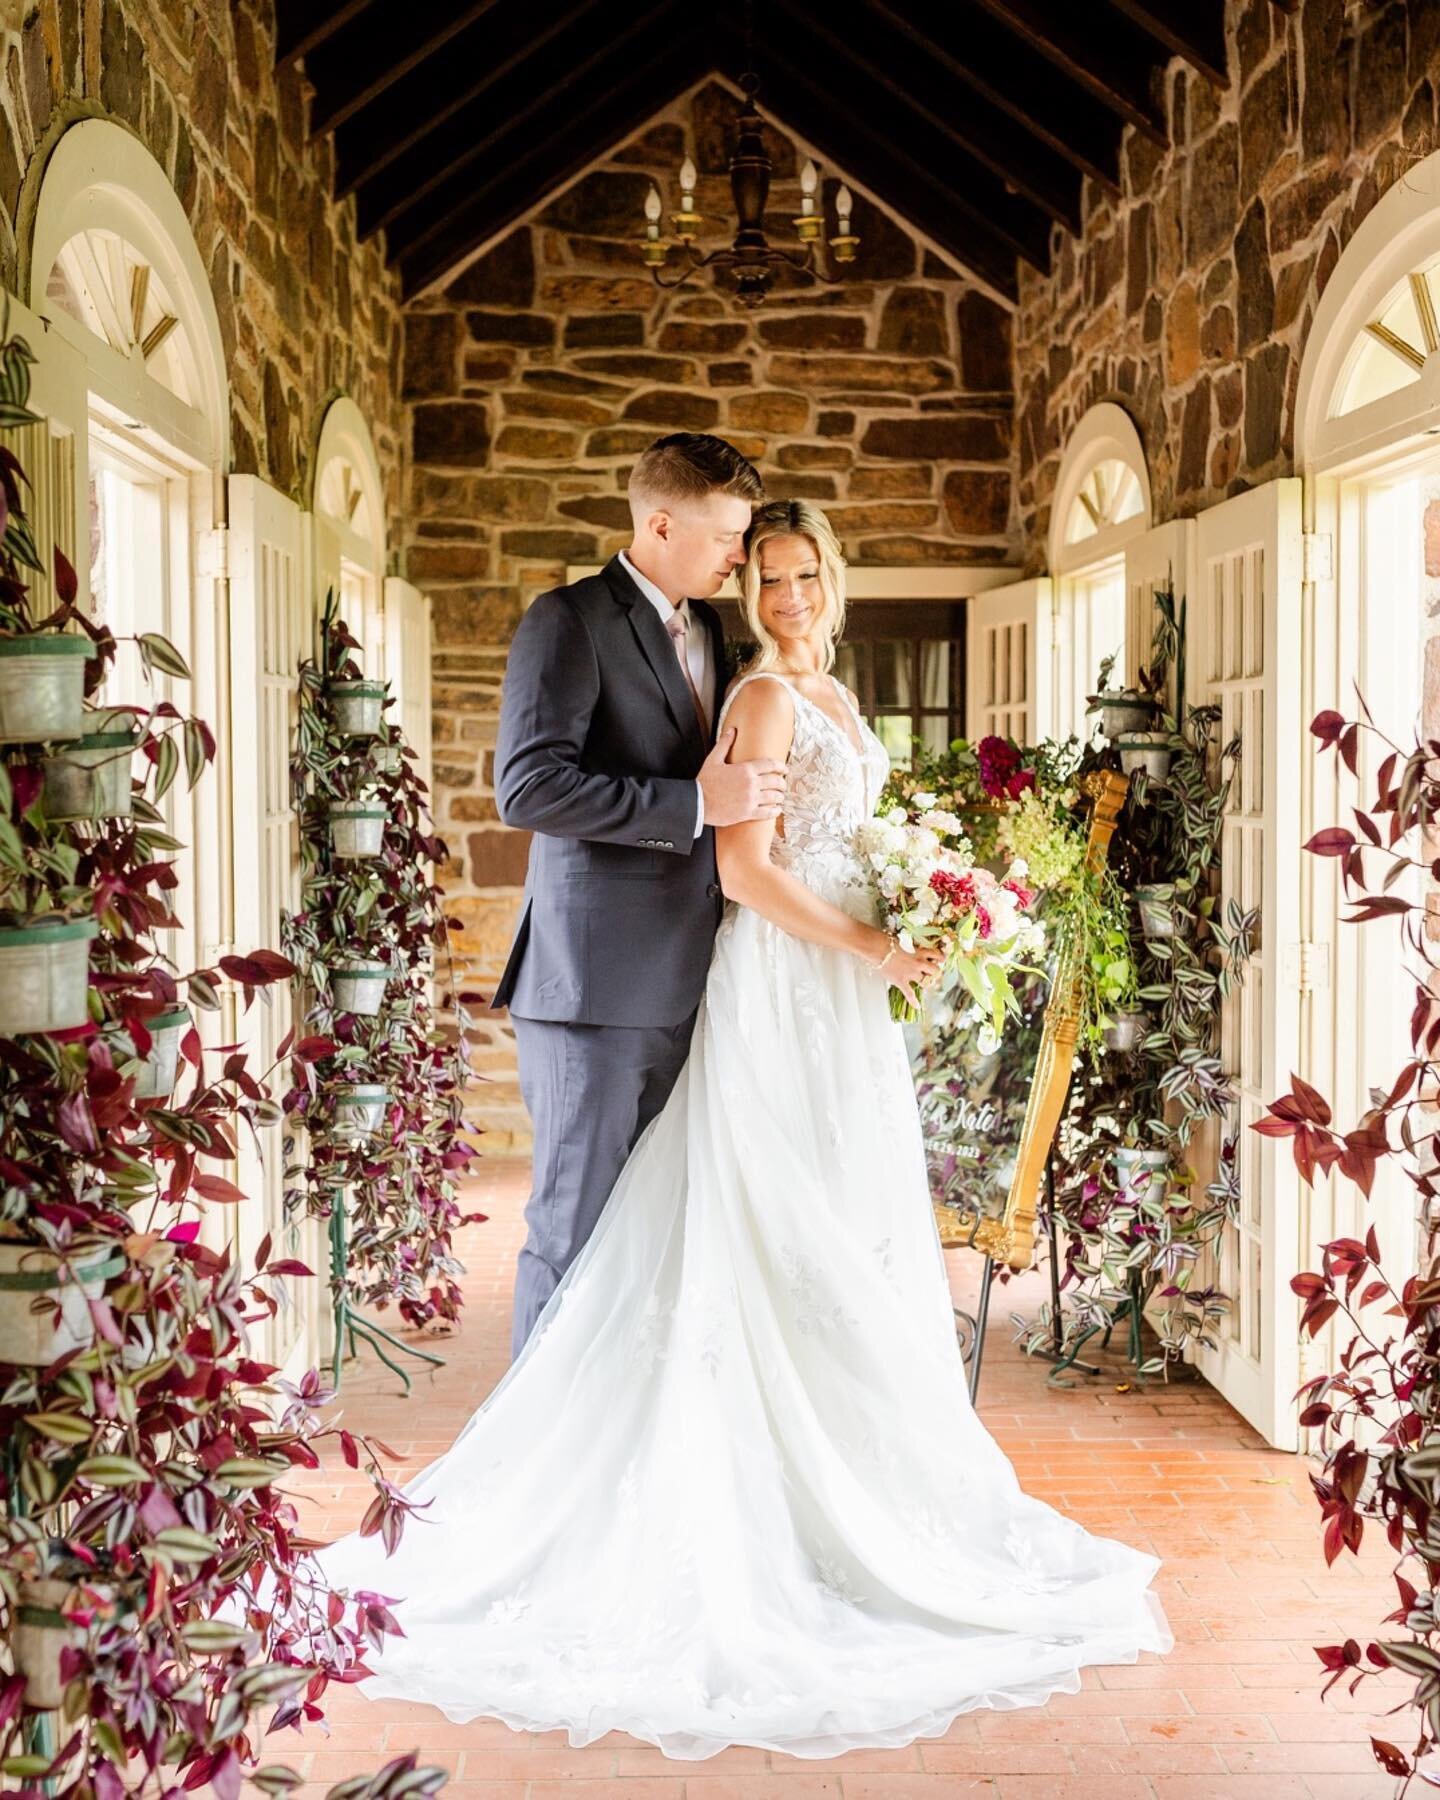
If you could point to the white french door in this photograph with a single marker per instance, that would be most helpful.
(1244, 655)
(1007, 663)
(407, 663)
(271, 629)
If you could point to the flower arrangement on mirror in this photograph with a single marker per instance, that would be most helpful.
(1134, 1228)
(1376, 1410)
(378, 1135)
(157, 1602)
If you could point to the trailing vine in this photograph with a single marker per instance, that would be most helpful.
(385, 910)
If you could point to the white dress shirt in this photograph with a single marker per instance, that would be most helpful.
(697, 655)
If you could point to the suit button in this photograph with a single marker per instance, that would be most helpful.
(667, 845)
(713, 891)
(645, 843)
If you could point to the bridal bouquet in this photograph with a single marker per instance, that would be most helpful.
(933, 892)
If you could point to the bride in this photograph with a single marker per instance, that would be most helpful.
(733, 1490)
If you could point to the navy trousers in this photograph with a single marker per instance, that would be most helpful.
(590, 1091)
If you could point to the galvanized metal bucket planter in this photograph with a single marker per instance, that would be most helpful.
(1157, 909)
(356, 828)
(358, 705)
(1126, 1031)
(33, 1335)
(1125, 710)
(90, 778)
(45, 976)
(357, 985)
(1149, 751)
(42, 687)
(158, 1073)
(359, 1110)
(1142, 1173)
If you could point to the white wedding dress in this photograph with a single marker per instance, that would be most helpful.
(733, 1490)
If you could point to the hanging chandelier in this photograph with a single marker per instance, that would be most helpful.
(753, 258)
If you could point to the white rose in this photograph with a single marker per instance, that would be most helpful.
(1019, 869)
(896, 815)
(924, 801)
(891, 881)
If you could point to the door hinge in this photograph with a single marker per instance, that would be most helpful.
(1307, 967)
(213, 553)
(1317, 556)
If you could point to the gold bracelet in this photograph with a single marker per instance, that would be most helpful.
(894, 946)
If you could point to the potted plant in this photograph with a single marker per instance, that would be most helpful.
(160, 1066)
(359, 1109)
(1144, 752)
(1155, 901)
(1141, 1171)
(90, 777)
(357, 705)
(1121, 710)
(357, 984)
(1127, 1030)
(357, 827)
(45, 1295)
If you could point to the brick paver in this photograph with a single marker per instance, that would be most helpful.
(1234, 1711)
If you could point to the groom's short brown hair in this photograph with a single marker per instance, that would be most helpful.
(688, 465)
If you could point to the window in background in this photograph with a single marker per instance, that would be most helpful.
(904, 661)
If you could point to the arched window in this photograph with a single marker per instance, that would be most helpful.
(113, 270)
(1101, 504)
(349, 508)
(1370, 376)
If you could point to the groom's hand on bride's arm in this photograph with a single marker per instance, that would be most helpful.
(735, 793)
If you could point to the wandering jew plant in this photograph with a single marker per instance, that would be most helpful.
(379, 1114)
(1377, 1411)
(158, 1605)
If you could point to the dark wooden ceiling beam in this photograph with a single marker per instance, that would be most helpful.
(1194, 29)
(988, 61)
(439, 169)
(303, 25)
(361, 64)
(1103, 55)
(428, 98)
(898, 169)
(977, 130)
(446, 230)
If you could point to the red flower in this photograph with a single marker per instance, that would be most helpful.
(999, 761)
(959, 890)
(1020, 783)
(984, 921)
(1024, 897)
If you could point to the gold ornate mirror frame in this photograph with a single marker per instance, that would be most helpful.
(1011, 1237)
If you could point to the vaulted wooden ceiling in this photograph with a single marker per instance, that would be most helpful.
(975, 120)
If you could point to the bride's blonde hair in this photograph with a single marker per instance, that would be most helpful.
(793, 518)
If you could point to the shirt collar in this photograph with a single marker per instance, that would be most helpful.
(657, 598)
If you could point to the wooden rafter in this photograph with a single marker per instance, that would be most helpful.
(1194, 29)
(548, 164)
(978, 131)
(977, 52)
(303, 25)
(359, 66)
(1108, 61)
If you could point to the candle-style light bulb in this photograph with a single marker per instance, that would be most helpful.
(809, 181)
(843, 206)
(688, 178)
(653, 208)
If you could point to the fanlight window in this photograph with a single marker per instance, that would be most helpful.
(1110, 495)
(1393, 348)
(341, 495)
(106, 285)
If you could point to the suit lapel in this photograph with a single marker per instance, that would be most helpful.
(657, 648)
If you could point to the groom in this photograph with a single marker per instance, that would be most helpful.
(607, 753)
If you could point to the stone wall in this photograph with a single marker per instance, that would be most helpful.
(545, 366)
(1188, 298)
(306, 312)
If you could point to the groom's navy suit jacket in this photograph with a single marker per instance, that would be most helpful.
(598, 752)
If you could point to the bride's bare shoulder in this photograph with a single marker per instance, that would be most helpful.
(761, 708)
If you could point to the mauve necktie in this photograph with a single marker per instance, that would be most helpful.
(675, 625)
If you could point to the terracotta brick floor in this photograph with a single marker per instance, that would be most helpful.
(1234, 1710)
